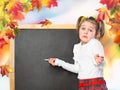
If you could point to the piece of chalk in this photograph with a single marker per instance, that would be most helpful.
(46, 59)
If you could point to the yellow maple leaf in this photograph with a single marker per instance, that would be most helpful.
(23, 1)
(3, 1)
(27, 7)
(7, 18)
(45, 2)
(11, 4)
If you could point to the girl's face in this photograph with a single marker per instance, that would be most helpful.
(86, 32)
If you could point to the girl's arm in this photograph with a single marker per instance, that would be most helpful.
(98, 52)
(67, 66)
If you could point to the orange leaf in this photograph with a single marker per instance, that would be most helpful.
(117, 37)
(37, 4)
(10, 34)
(110, 3)
(52, 3)
(18, 16)
(2, 42)
(117, 18)
(114, 26)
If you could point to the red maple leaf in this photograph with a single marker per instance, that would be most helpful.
(2, 42)
(14, 9)
(12, 25)
(16, 12)
(36, 4)
(110, 3)
(10, 34)
(44, 22)
(5, 70)
(102, 14)
(18, 16)
(52, 3)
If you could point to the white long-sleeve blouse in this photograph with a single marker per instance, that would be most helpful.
(84, 62)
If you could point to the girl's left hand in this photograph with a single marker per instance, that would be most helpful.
(99, 59)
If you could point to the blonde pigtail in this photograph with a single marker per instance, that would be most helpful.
(79, 21)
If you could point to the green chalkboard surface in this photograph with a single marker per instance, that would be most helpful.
(32, 47)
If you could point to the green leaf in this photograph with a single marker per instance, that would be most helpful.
(1, 26)
(112, 12)
(29, 0)
(16, 31)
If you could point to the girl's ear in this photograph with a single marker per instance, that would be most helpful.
(98, 35)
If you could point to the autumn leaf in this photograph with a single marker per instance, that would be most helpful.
(110, 3)
(10, 34)
(52, 3)
(36, 4)
(18, 16)
(5, 70)
(24, 1)
(103, 14)
(12, 24)
(45, 22)
(114, 26)
(15, 10)
(13, 6)
(2, 42)
(49, 3)
(117, 17)
(117, 37)
(44, 2)
(115, 12)
(4, 18)
(3, 2)
(16, 31)
(1, 26)
(27, 7)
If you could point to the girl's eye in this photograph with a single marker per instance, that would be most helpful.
(83, 28)
(91, 30)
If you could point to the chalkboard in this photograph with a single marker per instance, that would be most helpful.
(32, 47)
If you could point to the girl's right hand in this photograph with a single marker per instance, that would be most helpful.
(52, 61)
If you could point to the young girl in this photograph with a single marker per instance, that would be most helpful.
(88, 55)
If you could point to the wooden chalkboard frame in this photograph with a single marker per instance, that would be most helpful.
(12, 45)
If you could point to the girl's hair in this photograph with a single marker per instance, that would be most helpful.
(98, 25)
